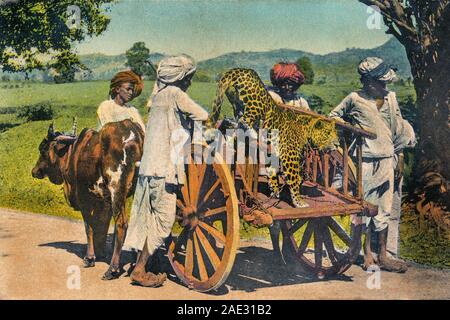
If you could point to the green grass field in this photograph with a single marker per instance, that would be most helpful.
(19, 141)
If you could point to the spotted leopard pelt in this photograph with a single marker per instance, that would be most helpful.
(253, 105)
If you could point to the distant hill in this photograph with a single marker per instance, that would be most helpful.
(104, 66)
(330, 68)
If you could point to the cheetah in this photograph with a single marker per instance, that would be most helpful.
(253, 105)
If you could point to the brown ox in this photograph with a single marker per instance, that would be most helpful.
(97, 171)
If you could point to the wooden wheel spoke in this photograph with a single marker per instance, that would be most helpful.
(339, 231)
(306, 236)
(189, 262)
(180, 240)
(201, 174)
(185, 193)
(180, 204)
(300, 223)
(215, 211)
(214, 232)
(200, 262)
(194, 186)
(210, 191)
(318, 245)
(327, 240)
(210, 252)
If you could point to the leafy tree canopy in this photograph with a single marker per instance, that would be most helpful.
(138, 60)
(306, 66)
(38, 34)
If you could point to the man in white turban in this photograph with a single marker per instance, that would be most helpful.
(161, 172)
(375, 108)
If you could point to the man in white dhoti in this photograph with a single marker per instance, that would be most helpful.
(375, 108)
(405, 138)
(154, 206)
(124, 87)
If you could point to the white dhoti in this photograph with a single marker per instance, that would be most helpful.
(378, 185)
(152, 213)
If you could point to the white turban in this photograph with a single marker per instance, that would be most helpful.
(375, 68)
(170, 70)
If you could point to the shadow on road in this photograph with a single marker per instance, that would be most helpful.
(79, 249)
(254, 267)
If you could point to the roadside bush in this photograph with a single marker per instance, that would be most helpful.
(40, 111)
(8, 110)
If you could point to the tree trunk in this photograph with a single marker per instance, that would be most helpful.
(432, 84)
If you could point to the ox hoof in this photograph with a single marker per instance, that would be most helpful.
(89, 262)
(112, 273)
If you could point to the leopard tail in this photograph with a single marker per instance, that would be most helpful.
(222, 87)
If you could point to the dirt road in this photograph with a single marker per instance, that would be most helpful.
(40, 258)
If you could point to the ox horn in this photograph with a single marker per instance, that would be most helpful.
(51, 129)
(74, 126)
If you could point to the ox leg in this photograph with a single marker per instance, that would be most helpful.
(120, 231)
(89, 258)
(103, 219)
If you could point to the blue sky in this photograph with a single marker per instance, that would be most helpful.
(208, 28)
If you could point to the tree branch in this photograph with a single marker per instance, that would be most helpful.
(393, 10)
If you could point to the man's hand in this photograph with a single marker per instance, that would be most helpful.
(398, 173)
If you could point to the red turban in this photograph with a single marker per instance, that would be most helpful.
(282, 72)
(127, 76)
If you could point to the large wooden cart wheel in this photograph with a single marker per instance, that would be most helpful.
(203, 253)
(324, 246)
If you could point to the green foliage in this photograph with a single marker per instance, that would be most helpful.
(422, 246)
(317, 104)
(201, 76)
(37, 112)
(65, 67)
(9, 110)
(137, 60)
(306, 66)
(409, 110)
(36, 33)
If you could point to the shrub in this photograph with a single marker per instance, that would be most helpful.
(8, 110)
(40, 111)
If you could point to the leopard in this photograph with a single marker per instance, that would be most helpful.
(289, 132)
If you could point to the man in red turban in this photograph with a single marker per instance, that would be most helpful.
(286, 79)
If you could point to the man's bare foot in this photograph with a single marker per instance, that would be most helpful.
(368, 261)
(148, 279)
(258, 218)
(392, 265)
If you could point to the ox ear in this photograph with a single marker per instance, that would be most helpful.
(61, 148)
(51, 130)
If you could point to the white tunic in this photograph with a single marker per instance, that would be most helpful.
(167, 127)
(296, 100)
(361, 110)
(110, 111)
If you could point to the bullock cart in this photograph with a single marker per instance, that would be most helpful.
(325, 238)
